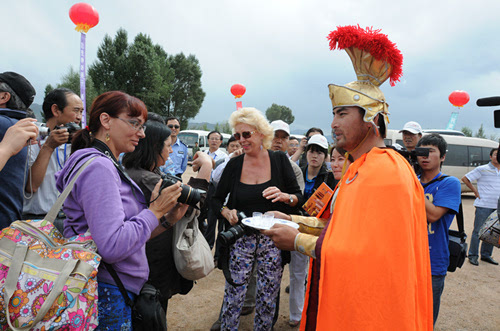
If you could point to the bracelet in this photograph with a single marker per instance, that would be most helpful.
(165, 223)
(222, 208)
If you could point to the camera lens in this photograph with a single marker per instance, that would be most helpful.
(230, 236)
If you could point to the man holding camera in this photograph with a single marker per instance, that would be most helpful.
(442, 202)
(60, 107)
(16, 95)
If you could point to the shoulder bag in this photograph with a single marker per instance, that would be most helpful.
(47, 281)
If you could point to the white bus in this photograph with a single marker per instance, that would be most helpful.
(463, 153)
(189, 137)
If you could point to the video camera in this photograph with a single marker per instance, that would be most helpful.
(489, 102)
(44, 131)
(189, 195)
(411, 157)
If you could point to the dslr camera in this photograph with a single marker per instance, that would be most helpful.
(189, 195)
(411, 157)
(44, 131)
(229, 237)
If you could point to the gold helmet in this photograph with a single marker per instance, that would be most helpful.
(374, 58)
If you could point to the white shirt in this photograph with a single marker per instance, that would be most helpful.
(44, 198)
(488, 185)
(217, 155)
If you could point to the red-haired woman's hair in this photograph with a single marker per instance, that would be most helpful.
(113, 103)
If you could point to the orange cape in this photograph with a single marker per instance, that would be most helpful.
(375, 269)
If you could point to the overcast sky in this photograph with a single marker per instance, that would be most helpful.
(278, 50)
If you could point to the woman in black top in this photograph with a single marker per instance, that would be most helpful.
(257, 181)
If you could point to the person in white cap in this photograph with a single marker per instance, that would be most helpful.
(412, 132)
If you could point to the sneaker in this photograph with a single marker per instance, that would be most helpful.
(473, 260)
(293, 324)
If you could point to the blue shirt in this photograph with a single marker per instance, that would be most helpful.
(309, 186)
(11, 180)
(179, 156)
(444, 193)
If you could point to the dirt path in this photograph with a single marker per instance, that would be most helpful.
(471, 298)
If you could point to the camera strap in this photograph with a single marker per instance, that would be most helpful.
(102, 147)
(460, 214)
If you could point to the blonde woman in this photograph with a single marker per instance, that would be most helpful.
(259, 180)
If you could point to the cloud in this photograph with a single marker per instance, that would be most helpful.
(278, 50)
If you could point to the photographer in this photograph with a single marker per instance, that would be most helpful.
(16, 95)
(60, 107)
(106, 202)
(412, 133)
(143, 167)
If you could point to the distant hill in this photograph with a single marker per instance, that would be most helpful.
(37, 109)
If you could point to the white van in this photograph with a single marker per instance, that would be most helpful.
(189, 137)
(463, 153)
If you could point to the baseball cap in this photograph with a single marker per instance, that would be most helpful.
(412, 127)
(20, 85)
(280, 125)
(319, 140)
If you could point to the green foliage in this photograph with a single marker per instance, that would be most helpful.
(480, 132)
(168, 85)
(467, 131)
(223, 127)
(277, 112)
(187, 95)
(71, 80)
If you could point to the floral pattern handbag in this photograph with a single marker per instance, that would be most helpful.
(47, 282)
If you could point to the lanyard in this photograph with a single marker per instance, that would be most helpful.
(65, 155)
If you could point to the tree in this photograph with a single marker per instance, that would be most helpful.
(168, 85)
(187, 95)
(277, 112)
(467, 131)
(139, 69)
(480, 132)
(223, 127)
(71, 80)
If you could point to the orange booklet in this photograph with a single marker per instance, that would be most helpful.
(323, 193)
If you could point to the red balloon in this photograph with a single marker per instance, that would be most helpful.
(459, 98)
(238, 90)
(84, 16)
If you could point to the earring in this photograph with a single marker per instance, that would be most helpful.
(107, 137)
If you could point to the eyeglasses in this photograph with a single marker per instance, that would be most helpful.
(246, 135)
(136, 125)
(214, 139)
(171, 126)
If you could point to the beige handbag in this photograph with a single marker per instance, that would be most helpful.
(192, 255)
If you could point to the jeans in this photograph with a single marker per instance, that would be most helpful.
(486, 249)
(437, 290)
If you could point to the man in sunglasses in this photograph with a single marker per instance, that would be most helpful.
(179, 155)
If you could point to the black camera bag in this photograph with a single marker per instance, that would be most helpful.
(457, 244)
(147, 312)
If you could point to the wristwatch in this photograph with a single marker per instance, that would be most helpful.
(165, 223)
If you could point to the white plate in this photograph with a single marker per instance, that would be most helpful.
(265, 224)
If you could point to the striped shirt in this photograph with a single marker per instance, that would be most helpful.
(488, 185)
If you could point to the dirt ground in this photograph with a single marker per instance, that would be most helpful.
(470, 301)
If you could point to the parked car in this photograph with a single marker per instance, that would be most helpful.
(189, 137)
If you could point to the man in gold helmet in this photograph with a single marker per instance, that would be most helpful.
(370, 265)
